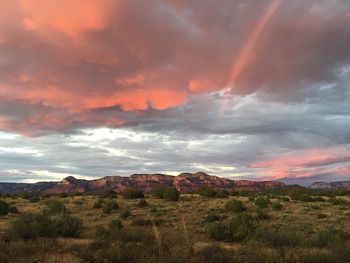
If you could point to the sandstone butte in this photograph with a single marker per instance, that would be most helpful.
(185, 183)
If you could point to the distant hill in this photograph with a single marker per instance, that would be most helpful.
(185, 182)
(336, 185)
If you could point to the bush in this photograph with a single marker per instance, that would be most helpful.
(158, 191)
(31, 226)
(55, 207)
(329, 237)
(261, 214)
(305, 198)
(125, 214)
(215, 254)
(34, 199)
(109, 207)
(109, 194)
(67, 226)
(211, 217)
(235, 206)
(279, 238)
(261, 202)
(321, 216)
(132, 194)
(337, 201)
(242, 227)
(222, 194)
(13, 210)
(318, 199)
(4, 208)
(63, 195)
(277, 206)
(206, 191)
(97, 205)
(115, 225)
(171, 194)
(142, 203)
(216, 230)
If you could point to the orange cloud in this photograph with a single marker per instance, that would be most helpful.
(70, 17)
(304, 163)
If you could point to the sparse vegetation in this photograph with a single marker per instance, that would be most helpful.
(177, 232)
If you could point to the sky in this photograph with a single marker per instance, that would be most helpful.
(254, 90)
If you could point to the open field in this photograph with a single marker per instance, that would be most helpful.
(193, 229)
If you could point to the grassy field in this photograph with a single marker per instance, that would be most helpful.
(193, 229)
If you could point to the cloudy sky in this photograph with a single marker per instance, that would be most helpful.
(243, 89)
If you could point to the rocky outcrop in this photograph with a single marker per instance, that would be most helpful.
(334, 185)
(185, 182)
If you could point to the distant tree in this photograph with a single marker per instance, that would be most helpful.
(171, 194)
(4, 208)
(206, 191)
(132, 194)
(158, 191)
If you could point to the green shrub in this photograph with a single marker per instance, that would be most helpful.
(320, 215)
(115, 225)
(31, 226)
(142, 203)
(277, 206)
(262, 214)
(279, 238)
(222, 194)
(261, 202)
(305, 198)
(337, 201)
(67, 226)
(132, 194)
(34, 199)
(242, 227)
(125, 214)
(206, 191)
(329, 237)
(158, 191)
(109, 193)
(13, 210)
(110, 206)
(97, 205)
(211, 217)
(171, 194)
(4, 208)
(235, 206)
(318, 199)
(55, 207)
(63, 195)
(214, 254)
(216, 230)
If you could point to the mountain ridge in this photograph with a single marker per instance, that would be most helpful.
(184, 182)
